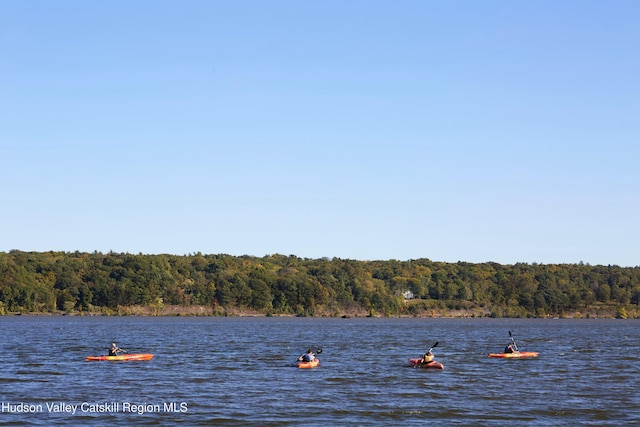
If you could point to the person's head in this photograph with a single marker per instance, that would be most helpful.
(113, 344)
(309, 351)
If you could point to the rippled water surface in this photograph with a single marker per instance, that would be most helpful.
(238, 371)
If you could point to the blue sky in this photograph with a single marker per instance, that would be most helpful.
(505, 131)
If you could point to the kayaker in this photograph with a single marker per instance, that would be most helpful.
(427, 357)
(114, 350)
(307, 357)
(509, 349)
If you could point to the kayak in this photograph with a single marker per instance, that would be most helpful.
(306, 365)
(416, 363)
(515, 355)
(120, 357)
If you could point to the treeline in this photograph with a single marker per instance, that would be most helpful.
(288, 285)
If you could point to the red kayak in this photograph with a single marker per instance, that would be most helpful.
(120, 357)
(417, 363)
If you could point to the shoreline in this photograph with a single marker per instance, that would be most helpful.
(198, 311)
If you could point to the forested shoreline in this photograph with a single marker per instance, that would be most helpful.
(277, 285)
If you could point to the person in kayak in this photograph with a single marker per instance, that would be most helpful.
(427, 358)
(115, 350)
(307, 357)
(509, 349)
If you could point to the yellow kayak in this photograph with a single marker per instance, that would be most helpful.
(306, 365)
(120, 357)
(515, 355)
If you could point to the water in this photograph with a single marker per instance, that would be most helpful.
(237, 372)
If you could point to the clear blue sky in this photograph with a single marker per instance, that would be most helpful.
(505, 131)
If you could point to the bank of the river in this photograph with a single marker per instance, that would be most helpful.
(596, 312)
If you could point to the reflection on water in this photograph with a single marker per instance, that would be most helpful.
(238, 371)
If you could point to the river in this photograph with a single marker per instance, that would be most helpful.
(238, 372)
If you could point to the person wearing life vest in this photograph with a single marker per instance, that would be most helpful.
(427, 357)
(307, 357)
(115, 350)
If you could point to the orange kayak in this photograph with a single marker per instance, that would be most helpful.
(416, 363)
(306, 365)
(120, 357)
(515, 355)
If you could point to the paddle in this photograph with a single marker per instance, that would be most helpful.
(515, 346)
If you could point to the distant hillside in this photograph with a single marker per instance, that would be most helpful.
(120, 283)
